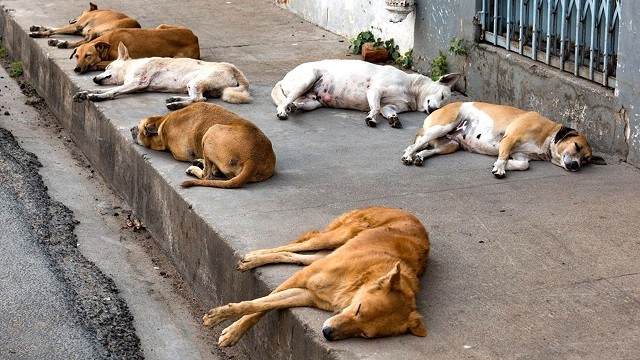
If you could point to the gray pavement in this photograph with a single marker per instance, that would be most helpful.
(542, 264)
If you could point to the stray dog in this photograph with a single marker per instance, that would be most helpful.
(515, 135)
(370, 280)
(195, 77)
(226, 144)
(359, 85)
(90, 25)
(163, 41)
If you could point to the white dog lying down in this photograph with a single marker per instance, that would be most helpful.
(359, 85)
(195, 77)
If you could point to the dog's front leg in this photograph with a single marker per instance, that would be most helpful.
(373, 98)
(287, 298)
(506, 144)
(234, 332)
(110, 94)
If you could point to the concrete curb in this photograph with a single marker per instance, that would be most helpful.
(196, 248)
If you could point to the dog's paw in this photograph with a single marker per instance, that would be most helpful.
(95, 97)
(172, 99)
(80, 96)
(407, 160)
(53, 42)
(370, 122)
(247, 263)
(283, 116)
(198, 162)
(395, 122)
(214, 317)
(291, 108)
(36, 34)
(498, 169)
(231, 335)
(175, 105)
(62, 45)
(37, 28)
(418, 160)
(195, 171)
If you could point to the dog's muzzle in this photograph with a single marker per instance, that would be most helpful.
(572, 166)
(77, 69)
(134, 134)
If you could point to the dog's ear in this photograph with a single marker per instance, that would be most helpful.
(103, 49)
(449, 79)
(92, 6)
(416, 326)
(564, 133)
(151, 129)
(123, 53)
(391, 281)
(598, 160)
(73, 53)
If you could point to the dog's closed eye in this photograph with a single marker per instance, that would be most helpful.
(358, 310)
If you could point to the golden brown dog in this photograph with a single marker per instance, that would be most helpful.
(163, 41)
(371, 279)
(224, 142)
(514, 135)
(91, 24)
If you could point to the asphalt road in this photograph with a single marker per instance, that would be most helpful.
(75, 281)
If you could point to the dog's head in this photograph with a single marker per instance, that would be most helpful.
(147, 133)
(89, 55)
(571, 150)
(437, 93)
(384, 309)
(114, 73)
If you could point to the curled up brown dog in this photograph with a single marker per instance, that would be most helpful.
(224, 144)
(371, 279)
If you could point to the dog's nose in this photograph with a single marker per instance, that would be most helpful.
(77, 69)
(574, 165)
(328, 333)
(96, 80)
(134, 133)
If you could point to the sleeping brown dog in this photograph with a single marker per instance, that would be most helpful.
(224, 143)
(371, 278)
(163, 41)
(91, 24)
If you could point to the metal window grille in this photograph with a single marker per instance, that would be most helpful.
(579, 36)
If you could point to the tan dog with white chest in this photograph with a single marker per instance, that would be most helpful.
(371, 279)
(91, 24)
(514, 135)
(224, 142)
(163, 41)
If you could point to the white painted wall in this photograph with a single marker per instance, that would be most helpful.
(349, 17)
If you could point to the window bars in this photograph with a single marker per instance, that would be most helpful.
(579, 36)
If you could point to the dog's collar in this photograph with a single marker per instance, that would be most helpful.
(563, 133)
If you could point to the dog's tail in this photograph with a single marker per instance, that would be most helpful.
(277, 94)
(247, 174)
(237, 94)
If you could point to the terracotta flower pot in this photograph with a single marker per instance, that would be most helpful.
(374, 54)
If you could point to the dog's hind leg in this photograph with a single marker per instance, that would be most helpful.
(299, 88)
(195, 89)
(41, 31)
(424, 137)
(390, 112)
(251, 261)
(373, 98)
(441, 146)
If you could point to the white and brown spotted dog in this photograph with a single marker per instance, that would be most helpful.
(91, 24)
(514, 135)
(180, 75)
(367, 271)
(359, 85)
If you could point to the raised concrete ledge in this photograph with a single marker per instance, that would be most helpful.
(521, 267)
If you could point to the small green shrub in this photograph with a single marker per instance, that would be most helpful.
(457, 47)
(361, 39)
(16, 69)
(3, 52)
(439, 66)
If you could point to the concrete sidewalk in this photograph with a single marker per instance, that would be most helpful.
(542, 264)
